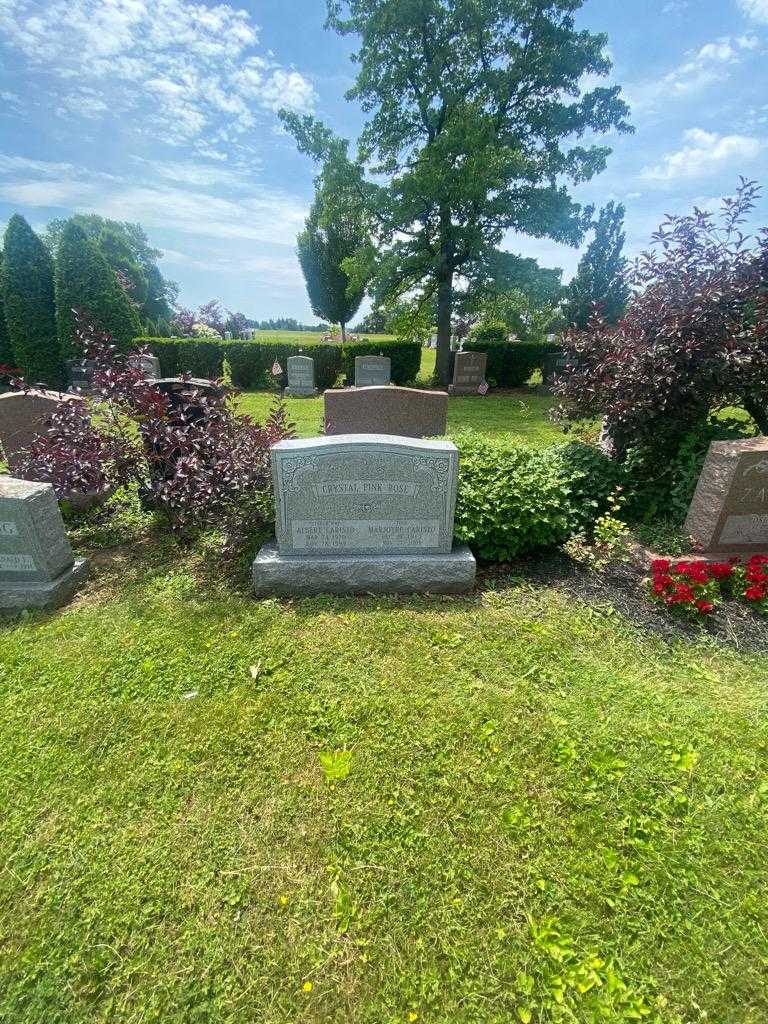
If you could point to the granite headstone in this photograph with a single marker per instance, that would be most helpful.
(407, 412)
(469, 374)
(23, 416)
(301, 377)
(729, 511)
(372, 370)
(37, 567)
(148, 364)
(359, 513)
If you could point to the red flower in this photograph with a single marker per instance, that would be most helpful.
(666, 579)
(704, 606)
(756, 592)
(697, 572)
(755, 574)
(684, 592)
(721, 570)
(681, 567)
(660, 565)
(758, 560)
(659, 587)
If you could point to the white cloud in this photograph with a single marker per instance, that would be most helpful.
(702, 153)
(703, 67)
(187, 70)
(265, 214)
(757, 9)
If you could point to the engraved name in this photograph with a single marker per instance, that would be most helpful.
(329, 488)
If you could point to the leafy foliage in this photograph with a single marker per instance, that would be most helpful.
(470, 109)
(601, 282)
(85, 281)
(510, 363)
(196, 459)
(6, 351)
(28, 298)
(328, 239)
(513, 498)
(694, 339)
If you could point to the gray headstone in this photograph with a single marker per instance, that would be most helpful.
(148, 364)
(729, 511)
(468, 373)
(372, 370)
(553, 365)
(37, 567)
(364, 512)
(24, 416)
(80, 372)
(301, 377)
(406, 412)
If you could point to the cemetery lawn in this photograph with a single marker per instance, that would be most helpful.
(522, 412)
(376, 810)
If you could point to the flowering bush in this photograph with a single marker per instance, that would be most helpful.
(694, 588)
(204, 331)
(193, 456)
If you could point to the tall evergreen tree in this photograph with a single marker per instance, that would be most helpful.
(476, 114)
(322, 246)
(27, 290)
(6, 351)
(85, 281)
(601, 277)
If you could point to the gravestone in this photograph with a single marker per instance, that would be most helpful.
(148, 364)
(301, 377)
(469, 374)
(729, 510)
(360, 513)
(371, 371)
(80, 373)
(23, 416)
(553, 365)
(37, 567)
(406, 412)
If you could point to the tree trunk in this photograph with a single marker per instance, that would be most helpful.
(343, 333)
(758, 411)
(444, 301)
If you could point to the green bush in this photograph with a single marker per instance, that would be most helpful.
(514, 498)
(27, 288)
(511, 363)
(405, 357)
(494, 331)
(250, 361)
(6, 352)
(85, 281)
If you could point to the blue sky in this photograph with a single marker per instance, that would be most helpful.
(163, 112)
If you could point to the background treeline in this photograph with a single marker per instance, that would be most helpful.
(105, 267)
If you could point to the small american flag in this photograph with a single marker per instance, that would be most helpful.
(482, 389)
(276, 369)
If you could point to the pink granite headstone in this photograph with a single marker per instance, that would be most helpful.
(729, 511)
(24, 415)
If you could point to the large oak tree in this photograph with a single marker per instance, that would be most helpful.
(476, 109)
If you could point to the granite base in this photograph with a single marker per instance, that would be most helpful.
(15, 597)
(297, 575)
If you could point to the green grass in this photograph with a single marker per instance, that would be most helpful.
(305, 335)
(541, 803)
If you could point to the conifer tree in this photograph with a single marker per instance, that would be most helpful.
(601, 278)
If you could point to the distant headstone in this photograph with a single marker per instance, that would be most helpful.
(301, 377)
(469, 373)
(23, 416)
(729, 511)
(553, 365)
(80, 372)
(372, 370)
(37, 567)
(227, 335)
(406, 412)
(359, 513)
(148, 364)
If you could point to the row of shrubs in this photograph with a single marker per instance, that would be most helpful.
(511, 363)
(251, 362)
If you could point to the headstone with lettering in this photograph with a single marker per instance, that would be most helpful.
(553, 365)
(148, 364)
(80, 372)
(407, 412)
(729, 511)
(360, 513)
(37, 567)
(301, 377)
(469, 374)
(372, 370)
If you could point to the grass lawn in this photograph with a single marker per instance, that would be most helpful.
(471, 810)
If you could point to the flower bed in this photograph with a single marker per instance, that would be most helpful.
(695, 588)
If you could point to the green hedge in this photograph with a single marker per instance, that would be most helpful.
(514, 498)
(405, 357)
(251, 361)
(510, 363)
